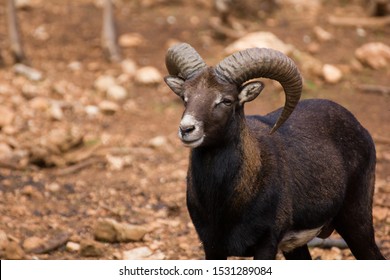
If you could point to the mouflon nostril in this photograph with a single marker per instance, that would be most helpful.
(185, 129)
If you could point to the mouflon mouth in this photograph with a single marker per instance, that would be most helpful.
(192, 143)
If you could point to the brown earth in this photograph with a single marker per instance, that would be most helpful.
(129, 165)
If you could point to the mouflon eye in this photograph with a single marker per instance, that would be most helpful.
(227, 101)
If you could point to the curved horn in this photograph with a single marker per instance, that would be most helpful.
(183, 60)
(264, 63)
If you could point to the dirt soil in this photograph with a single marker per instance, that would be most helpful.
(128, 165)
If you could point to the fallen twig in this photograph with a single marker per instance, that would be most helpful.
(11, 166)
(359, 21)
(121, 151)
(79, 166)
(228, 32)
(7, 165)
(381, 140)
(328, 243)
(53, 243)
(78, 155)
(374, 89)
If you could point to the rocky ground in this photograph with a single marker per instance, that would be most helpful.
(90, 165)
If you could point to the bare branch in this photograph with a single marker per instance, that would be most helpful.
(374, 89)
(381, 140)
(14, 33)
(78, 166)
(359, 21)
(53, 243)
(109, 36)
(219, 27)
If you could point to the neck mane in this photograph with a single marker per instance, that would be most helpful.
(226, 174)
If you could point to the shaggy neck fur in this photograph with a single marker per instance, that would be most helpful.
(222, 177)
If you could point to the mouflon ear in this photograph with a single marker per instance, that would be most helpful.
(250, 91)
(175, 84)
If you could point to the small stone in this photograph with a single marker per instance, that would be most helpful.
(356, 65)
(179, 174)
(259, 40)
(7, 116)
(104, 82)
(53, 187)
(129, 40)
(32, 243)
(63, 87)
(30, 73)
(155, 245)
(331, 73)
(23, 4)
(118, 163)
(376, 55)
(158, 141)
(124, 79)
(56, 112)
(75, 66)
(3, 240)
(148, 76)
(105, 231)
(140, 253)
(40, 33)
(116, 92)
(62, 139)
(31, 192)
(13, 251)
(322, 35)
(39, 103)
(129, 67)
(128, 232)
(5, 150)
(117, 255)
(90, 248)
(381, 213)
(12, 156)
(171, 20)
(6, 89)
(157, 256)
(108, 107)
(337, 253)
(109, 230)
(10, 130)
(73, 246)
(92, 110)
(361, 32)
(30, 91)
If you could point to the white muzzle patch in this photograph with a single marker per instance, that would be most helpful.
(191, 131)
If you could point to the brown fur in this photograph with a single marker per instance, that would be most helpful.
(249, 170)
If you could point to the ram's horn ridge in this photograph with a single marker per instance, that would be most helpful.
(183, 60)
(264, 63)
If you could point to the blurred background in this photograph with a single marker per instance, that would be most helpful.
(90, 164)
